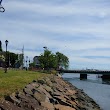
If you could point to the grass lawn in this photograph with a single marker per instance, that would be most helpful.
(16, 80)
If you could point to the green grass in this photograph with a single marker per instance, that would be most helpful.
(16, 80)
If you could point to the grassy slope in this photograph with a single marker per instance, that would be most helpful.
(15, 80)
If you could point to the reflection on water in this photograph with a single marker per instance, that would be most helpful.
(106, 81)
(94, 86)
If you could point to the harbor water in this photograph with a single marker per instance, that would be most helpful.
(96, 88)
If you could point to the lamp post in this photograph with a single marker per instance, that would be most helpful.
(2, 9)
(45, 47)
(26, 62)
(29, 63)
(6, 42)
(26, 65)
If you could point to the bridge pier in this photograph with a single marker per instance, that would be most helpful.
(83, 76)
(105, 77)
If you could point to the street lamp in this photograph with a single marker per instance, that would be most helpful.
(1, 7)
(45, 47)
(26, 62)
(6, 42)
(26, 65)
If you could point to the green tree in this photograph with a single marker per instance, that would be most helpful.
(62, 60)
(49, 60)
(11, 59)
(32, 64)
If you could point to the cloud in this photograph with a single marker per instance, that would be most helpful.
(79, 29)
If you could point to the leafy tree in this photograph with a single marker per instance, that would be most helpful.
(32, 64)
(11, 59)
(49, 60)
(62, 60)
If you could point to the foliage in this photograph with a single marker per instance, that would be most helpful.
(11, 59)
(32, 64)
(62, 60)
(48, 60)
(2, 58)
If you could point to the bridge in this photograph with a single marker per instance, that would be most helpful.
(83, 73)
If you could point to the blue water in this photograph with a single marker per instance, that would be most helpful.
(94, 87)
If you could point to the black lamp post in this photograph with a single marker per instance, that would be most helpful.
(6, 42)
(26, 65)
(29, 63)
(26, 62)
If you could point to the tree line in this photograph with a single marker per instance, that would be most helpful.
(50, 60)
(11, 59)
(47, 60)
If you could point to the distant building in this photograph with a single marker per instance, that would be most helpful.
(36, 61)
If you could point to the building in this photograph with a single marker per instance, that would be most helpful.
(36, 61)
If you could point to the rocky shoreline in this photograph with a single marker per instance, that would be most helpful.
(49, 93)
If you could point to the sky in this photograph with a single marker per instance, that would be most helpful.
(80, 29)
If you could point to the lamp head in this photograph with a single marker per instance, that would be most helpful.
(6, 42)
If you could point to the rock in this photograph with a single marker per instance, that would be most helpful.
(28, 102)
(12, 98)
(40, 97)
(41, 81)
(50, 93)
(48, 89)
(72, 92)
(47, 105)
(62, 107)
(6, 105)
(27, 91)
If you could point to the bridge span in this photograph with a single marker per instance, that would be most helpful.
(86, 71)
(83, 73)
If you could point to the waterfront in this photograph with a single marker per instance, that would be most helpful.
(94, 87)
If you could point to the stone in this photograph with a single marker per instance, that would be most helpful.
(47, 105)
(28, 102)
(57, 93)
(41, 81)
(61, 100)
(6, 105)
(48, 89)
(40, 97)
(62, 107)
(27, 91)
(50, 93)
(12, 98)
(71, 91)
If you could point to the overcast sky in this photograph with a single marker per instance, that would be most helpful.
(80, 29)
